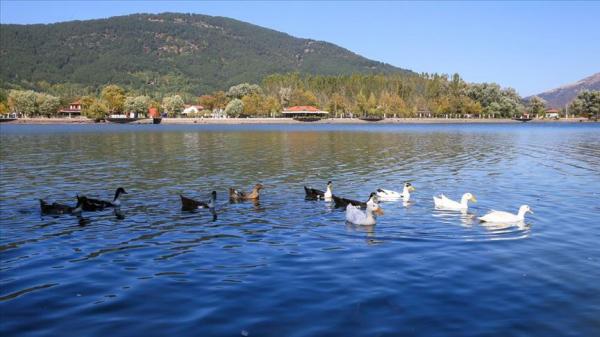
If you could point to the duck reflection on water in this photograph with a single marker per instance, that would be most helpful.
(467, 219)
(369, 231)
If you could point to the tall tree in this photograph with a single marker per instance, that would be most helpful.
(173, 105)
(337, 104)
(303, 97)
(114, 97)
(47, 105)
(362, 104)
(220, 99)
(372, 107)
(23, 102)
(536, 106)
(234, 108)
(587, 103)
(137, 105)
(244, 89)
(285, 95)
(207, 101)
(95, 109)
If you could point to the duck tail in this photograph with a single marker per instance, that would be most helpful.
(309, 191)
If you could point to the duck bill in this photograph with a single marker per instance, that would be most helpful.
(412, 189)
(530, 211)
(379, 211)
(473, 199)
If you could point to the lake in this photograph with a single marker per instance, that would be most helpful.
(290, 267)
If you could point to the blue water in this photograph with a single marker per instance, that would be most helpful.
(291, 267)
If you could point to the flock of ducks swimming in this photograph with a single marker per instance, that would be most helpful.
(355, 215)
(354, 208)
(83, 204)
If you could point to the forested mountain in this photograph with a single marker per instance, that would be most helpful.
(562, 96)
(168, 52)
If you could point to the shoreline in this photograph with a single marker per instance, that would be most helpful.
(289, 121)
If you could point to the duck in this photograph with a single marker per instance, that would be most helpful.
(92, 205)
(58, 209)
(356, 216)
(506, 217)
(188, 204)
(314, 194)
(343, 202)
(236, 195)
(443, 202)
(388, 195)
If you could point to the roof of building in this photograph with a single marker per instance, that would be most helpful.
(552, 110)
(303, 109)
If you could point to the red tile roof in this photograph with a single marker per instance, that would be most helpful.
(302, 108)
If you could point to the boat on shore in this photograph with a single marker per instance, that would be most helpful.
(156, 120)
(121, 120)
(522, 119)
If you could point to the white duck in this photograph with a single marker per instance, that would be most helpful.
(505, 217)
(443, 202)
(388, 195)
(356, 216)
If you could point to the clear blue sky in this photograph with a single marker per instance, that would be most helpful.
(531, 46)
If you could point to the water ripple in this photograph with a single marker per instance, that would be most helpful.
(154, 270)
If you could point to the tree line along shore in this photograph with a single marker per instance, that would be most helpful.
(290, 121)
(397, 96)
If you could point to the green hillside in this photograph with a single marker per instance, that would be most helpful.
(164, 53)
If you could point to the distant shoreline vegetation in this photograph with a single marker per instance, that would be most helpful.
(130, 63)
(358, 95)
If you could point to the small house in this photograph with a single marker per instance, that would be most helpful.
(74, 110)
(552, 113)
(192, 109)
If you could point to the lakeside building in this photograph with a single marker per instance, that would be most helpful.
(552, 113)
(74, 110)
(303, 111)
(192, 109)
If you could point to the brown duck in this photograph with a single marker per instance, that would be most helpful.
(239, 195)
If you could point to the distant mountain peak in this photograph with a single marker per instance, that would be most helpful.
(563, 95)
